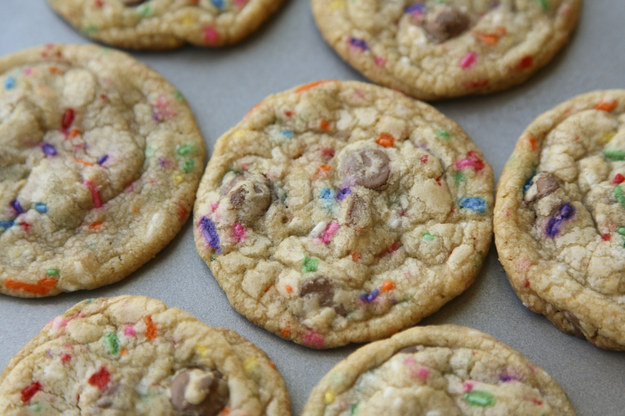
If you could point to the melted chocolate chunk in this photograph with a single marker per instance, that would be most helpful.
(249, 195)
(210, 385)
(320, 286)
(447, 24)
(132, 2)
(357, 212)
(369, 168)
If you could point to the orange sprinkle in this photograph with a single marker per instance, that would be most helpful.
(533, 143)
(225, 411)
(182, 212)
(272, 365)
(74, 133)
(135, 210)
(501, 30)
(288, 288)
(385, 140)
(286, 332)
(150, 329)
(310, 85)
(355, 256)
(84, 162)
(95, 226)
(388, 285)
(325, 125)
(124, 351)
(322, 169)
(41, 288)
(606, 106)
(487, 38)
(54, 70)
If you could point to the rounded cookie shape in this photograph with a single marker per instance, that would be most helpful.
(100, 162)
(560, 217)
(132, 355)
(435, 49)
(437, 370)
(341, 212)
(165, 24)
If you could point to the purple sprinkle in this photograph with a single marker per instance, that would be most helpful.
(48, 149)
(370, 297)
(342, 193)
(17, 206)
(565, 212)
(209, 231)
(359, 43)
(415, 8)
(102, 159)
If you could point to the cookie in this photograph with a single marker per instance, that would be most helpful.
(165, 24)
(560, 217)
(435, 49)
(341, 212)
(100, 162)
(131, 355)
(437, 370)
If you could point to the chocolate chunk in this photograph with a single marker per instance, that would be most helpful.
(574, 321)
(358, 215)
(369, 168)
(546, 184)
(132, 2)
(249, 195)
(447, 24)
(207, 387)
(320, 286)
(408, 350)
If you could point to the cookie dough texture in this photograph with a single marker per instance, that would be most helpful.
(131, 355)
(165, 24)
(560, 217)
(341, 212)
(435, 49)
(437, 370)
(100, 162)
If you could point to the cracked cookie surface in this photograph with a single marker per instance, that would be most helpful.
(341, 212)
(165, 24)
(560, 217)
(437, 370)
(435, 49)
(100, 161)
(131, 355)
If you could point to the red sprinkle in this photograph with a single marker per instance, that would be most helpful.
(618, 178)
(68, 119)
(606, 237)
(288, 113)
(95, 195)
(526, 62)
(29, 391)
(65, 358)
(424, 159)
(101, 378)
(533, 143)
(326, 151)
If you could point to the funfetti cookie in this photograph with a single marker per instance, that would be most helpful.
(99, 163)
(434, 371)
(131, 355)
(560, 217)
(434, 49)
(165, 24)
(341, 212)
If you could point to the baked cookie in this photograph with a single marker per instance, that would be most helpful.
(165, 24)
(341, 212)
(560, 217)
(131, 355)
(433, 49)
(100, 162)
(437, 370)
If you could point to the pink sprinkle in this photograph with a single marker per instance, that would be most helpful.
(313, 339)
(59, 322)
(468, 386)
(214, 207)
(211, 36)
(329, 232)
(379, 61)
(409, 361)
(240, 3)
(129, 331)
(423, 373)
(28, 71)
(239, 231)
(472, 161)
(95, 195)
(468, 60)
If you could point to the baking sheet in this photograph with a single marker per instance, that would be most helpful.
(222, 85)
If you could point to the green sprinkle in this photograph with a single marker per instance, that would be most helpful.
(112, 343)
(53, 272)
(621, 230)
(188, 165)
(614, 154)
(36, 407)
(179, 96)
(479, 398)
(428, 237)
(619, 195)
(90, 29)
(442, 133)
(310, 264)
(459, 177)
(145, 11)
(185, 149)
(353, 410)
(544, 4)
(149, 152)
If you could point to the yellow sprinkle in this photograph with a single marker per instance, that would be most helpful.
(250, 364)
(202, 350)
(239, 134)
(188, 21)
(607, 136)
(178, 179)
(329, 397)
(337, 4)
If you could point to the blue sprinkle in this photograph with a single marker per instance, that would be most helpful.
(475, 204)
(209, 231)
(17, 206)
(415, 8)
(359, 43)
(102, 159)
(9, 83)
(41, 207)
(287, 133)
(6, 224)
(528, 183)
(370, 297)
(218, 3)
(342, 193)
(326, 193)
(48, 149)
(565, 212)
